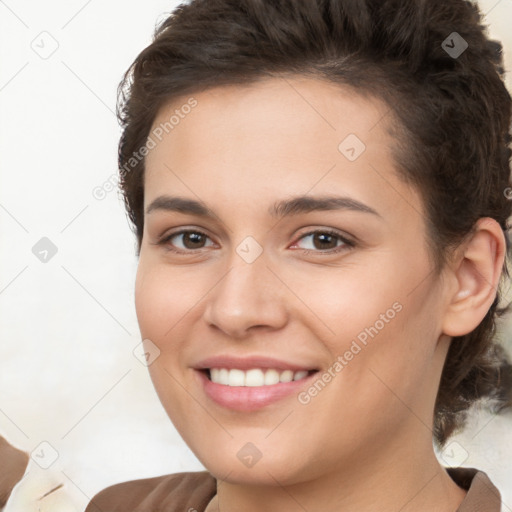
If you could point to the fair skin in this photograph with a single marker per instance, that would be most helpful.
(357, 443)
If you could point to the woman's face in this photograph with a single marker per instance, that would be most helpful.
(346, 289)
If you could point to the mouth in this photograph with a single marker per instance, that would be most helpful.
(254, 377)
(253, 389)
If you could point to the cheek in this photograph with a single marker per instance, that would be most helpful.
(162, 299)
(150, 302)
(393, 368)
(160, 305)
(342, 304)
(375, 323)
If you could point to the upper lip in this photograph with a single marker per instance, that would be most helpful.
(246, 363)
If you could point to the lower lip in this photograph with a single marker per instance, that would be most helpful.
(247, 398)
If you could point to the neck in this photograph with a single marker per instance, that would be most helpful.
(404, 478)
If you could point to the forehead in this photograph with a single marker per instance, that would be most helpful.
(293, 132)
(286, 106)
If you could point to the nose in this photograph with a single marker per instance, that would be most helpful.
(247, 298)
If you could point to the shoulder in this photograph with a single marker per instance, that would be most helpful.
(178, 491)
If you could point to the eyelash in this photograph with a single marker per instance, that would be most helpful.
(346, 243)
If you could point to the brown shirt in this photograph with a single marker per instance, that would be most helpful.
(191, 492)
(13, 463)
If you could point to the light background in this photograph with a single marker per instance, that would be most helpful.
(68, 376)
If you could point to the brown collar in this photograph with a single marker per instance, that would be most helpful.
(482, 494)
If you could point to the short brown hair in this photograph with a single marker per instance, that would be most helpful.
(453, 117)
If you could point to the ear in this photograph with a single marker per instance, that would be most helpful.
(477, 270)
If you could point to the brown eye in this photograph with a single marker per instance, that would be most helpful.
(325, 242)
(193, 240)
(190, 240)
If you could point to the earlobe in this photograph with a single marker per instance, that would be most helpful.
(477, 273)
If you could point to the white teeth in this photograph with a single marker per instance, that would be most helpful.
(254, 377)
(224, 376)
(300, 375)
(286, 376)
(271, 377)
(236, 377)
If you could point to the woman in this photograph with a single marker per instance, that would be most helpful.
(319, 194)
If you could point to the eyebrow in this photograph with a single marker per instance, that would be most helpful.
(294, 206)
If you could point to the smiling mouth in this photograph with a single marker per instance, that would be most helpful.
(254, 377)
